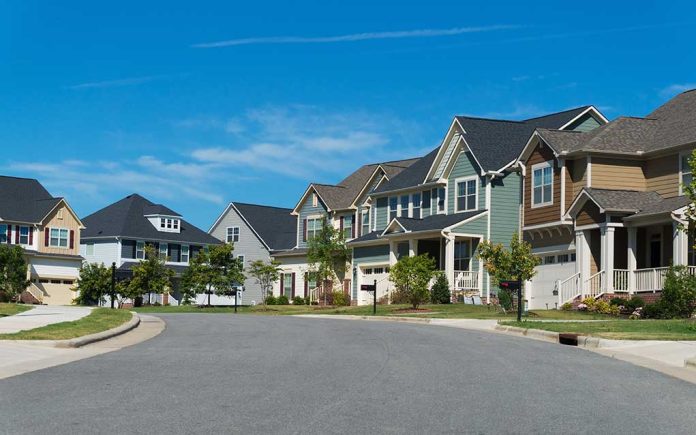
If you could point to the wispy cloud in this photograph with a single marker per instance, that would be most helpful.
(675, 89)
(130, 81)
(366, 36)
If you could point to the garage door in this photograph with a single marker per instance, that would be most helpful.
(554, 266)
(369, 274)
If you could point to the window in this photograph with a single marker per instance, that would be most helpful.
(572, 256)
(59, 238)
(241, 259)
(550, 259)
(184, 253)
(140, 250)
(365, 222)
(685, 171)
(563, 258)
(90, 248)
(169, 224)
(441, 200)
(378, 270)
(23, 235)
(315, 200)
(163, 223)
(426, 200)
(68, 281)
(3, 233)
(403, 210)
(348, 227)
(542, 184)
(175, 224)
(393, 205)
(368, 271)
(287, 284)
(416, 201)
(462, 255)
(313, 227)
(466, 194)
(232, 234)
(163, 250)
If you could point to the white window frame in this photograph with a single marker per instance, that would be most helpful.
(317, 221)
(400, 205)
(163, 255)
(363, 213)
(141, 244)
(469, 254)
(242, 258)
(444, 201)
(682, 172)
(459, 180)
(541, 166)
(345, 228)
(3, 233)
(237, 235)
(89, 250)
(163, 223)
(413, 208)
(389, 208)
(59, 238)
(24, 236)
(187, 254)
(175, 224)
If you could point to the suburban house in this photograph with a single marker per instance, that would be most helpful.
(49, 232)
(256, 231)
(346, 206)
(464, 191)
(119, 232)
(612, 198)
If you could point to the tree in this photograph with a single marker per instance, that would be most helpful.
(213, 270)
(265, 273)
(411, 276)
(327, 255)
(94, 282)
(689, 190)
(150, 275)
(440, 292)
(13, 272)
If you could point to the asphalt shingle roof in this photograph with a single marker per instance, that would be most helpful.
(126, 218)
(413, 176)
(24, 200)
(275, 225)
(622, 200)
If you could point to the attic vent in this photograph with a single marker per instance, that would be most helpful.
(445, 158)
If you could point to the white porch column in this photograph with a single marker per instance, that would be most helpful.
(412, 247)
(392, 252)
(631, 258)
(449, 260)
(582, 257)
(680, 245)
(608, 258)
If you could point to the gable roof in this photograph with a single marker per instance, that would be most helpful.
(638, 203)
(413, 176)
(275, 226)
(24, 200)
(126, 218)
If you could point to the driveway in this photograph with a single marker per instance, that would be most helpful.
(221, 373)
(41, 315)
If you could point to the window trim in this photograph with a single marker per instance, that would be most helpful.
(363, 213)
(535, 167)
(140, 242)
(166, 251)
(389, 208)
(26, 236)
(413, 208)
(683, 154)
(227, 234)
(181, 253)
(67, 238)
(313, 218)
(349, 228)
(459, 180)
(470, 254)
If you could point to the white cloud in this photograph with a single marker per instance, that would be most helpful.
(675, 89)
(113, 83)
(418, 33)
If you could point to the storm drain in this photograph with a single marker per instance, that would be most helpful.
(568, 339)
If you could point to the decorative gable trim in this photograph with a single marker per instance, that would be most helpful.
(384, 176)
(72, 212)
(394, 222)
(443, 149)
(592, 111)
(310, 189)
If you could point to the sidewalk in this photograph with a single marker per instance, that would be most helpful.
(41, 315)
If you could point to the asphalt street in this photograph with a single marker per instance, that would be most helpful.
(221, 373)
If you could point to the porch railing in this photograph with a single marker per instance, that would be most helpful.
(594, 285)
(621, 277)
(568, 289)
(651, 279)
(465, 280)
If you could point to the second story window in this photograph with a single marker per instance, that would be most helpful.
(467, 194)
(542, 184)
(393, 206)
(3, 233)
(59, 238)
(313, 227)
(140, 250)
(365, 222)
(232, 234)
(348, 227)
(23, 235)
(685, 171)
(163, 223)
(416, 209)
(403, 209)
(440, 199)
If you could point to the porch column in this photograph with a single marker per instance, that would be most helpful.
(392, 252)
(680, 245)
(412, 247)
(607, 259)
(631, 258)
(582, 258)
(449, 260)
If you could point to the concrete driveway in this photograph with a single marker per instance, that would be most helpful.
(221, 373)
(41, 315)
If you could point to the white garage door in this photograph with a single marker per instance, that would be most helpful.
(369, 274)
(554, 266)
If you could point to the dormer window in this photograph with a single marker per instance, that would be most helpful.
(163, 223)
(166, 224)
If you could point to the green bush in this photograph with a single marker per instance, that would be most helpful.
(678, 298)
(340, 299)
(603, 307)
(271, 300)
(282, 300)
(440, 292)
(618, 301)
(652, 311)
(505, 299)
(298, 300)
(306, 300)
(633, 303)
(399, 297)
(567, 306)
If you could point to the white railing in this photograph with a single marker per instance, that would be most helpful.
(651, 279)
(568, 289)
(621, 277)
(465, 280)
(594, 285)
(37, 293)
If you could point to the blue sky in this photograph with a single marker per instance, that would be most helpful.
(199, 103)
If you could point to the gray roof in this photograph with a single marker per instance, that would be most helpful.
(126, 218)
(290, 252)
(632, 201)
(24, 200)
(275, 225)
(413, 176)
(665, 205)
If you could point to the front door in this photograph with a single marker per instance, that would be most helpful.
(655, 253)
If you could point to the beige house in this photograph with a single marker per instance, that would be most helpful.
(49, 232)
(603, 208)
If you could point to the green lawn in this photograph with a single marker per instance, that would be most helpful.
(12, 309)
(98, 320)
(621, 329)
(448, 311)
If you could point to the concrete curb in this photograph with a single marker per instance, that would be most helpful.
(690, 363)
(553, 337)
(99, 336)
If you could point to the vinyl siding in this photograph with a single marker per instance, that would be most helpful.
(550, 213)
(67, 221)
(361, 200)
(505, 211)
(105, 252)
(586, 123)
(589, 214)
(662, 175)
(617, 174)
(578, 174)
(464, 166)
(308, 210)
(569, 188)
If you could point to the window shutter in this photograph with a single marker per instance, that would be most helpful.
(31, 236)
(47, 233)
(304, 230)
(306, 284)
(340, 226)
(9, 234)
(352, 228)
(282, 280)
(16, 234)
(293, 284)
(72, 239)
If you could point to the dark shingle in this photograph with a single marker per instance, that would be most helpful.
(275, 225)
(436, 222)
(622, 200)
(412, 176)
(24, 200)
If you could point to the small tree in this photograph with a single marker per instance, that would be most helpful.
(440, 292)
(678, 298)
(265, 273)
(327, 255)
(151, 275)
(689, 190)
(125, 291)
(94, 282)
(411, 276)
(13, 272)
(213, 270)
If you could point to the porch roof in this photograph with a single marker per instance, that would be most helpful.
(436, 222)
(623, 200)
(664, 205)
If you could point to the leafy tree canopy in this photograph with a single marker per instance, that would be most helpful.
(411, 277)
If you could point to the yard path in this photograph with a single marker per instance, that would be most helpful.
(41, 315)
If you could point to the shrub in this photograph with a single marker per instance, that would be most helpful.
(618, 301)
(567, 306)
(282, 300)
(399, 297)
(634, 303)
(440, 292)
(340, 299)
(505, 299)
(678, 294)
(298, 300)
(652, 311)
(306, 300)
(603, 307)
(271, 300)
